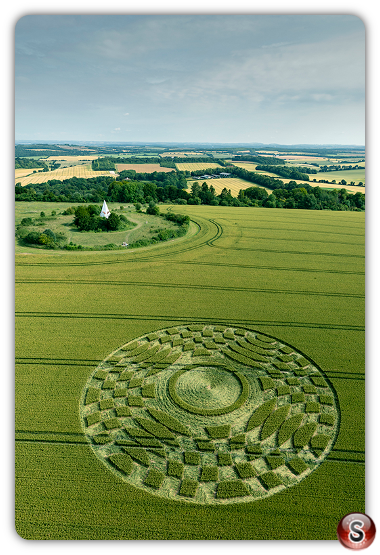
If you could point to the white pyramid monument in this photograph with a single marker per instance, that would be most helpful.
(105, 213)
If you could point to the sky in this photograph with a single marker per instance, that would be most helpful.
(286, 79)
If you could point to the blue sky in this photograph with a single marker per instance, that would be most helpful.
(190, 78)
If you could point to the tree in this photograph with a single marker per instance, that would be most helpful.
(153, 209)
(83, 219)
(195, 189)
(270, 202)
(113, 222)
(256, 193)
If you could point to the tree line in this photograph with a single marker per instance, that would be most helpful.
(172, 187)
(259, 159)
(108, 163)
(29, 163)
(289, 172)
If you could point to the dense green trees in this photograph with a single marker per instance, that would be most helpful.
(259, 159)
(30, 163)
(132, 187)
(103, 164)
(87, 219)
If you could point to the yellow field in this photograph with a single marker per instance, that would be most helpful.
(22, 172)
(61, 173)
(234, 184)
(143, 168)
(73, 158)
(193, 166)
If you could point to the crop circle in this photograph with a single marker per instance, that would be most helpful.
(206, 390)
(210, 414)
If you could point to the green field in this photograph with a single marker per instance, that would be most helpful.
(348, 175)
(269, 298)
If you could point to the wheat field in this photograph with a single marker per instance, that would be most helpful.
(83, 170)
(194, 166)
(296, 276)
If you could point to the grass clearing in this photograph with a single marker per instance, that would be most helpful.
(143, 226)
(295, 275)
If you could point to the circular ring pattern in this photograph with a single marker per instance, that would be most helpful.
(211, 414)
(243, 395)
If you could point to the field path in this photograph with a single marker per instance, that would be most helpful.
(139, 224)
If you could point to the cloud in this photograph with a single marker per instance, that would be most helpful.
(126, 114)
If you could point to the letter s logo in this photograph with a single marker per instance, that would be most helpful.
(356, 534)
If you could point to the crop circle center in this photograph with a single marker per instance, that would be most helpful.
(208, 387)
